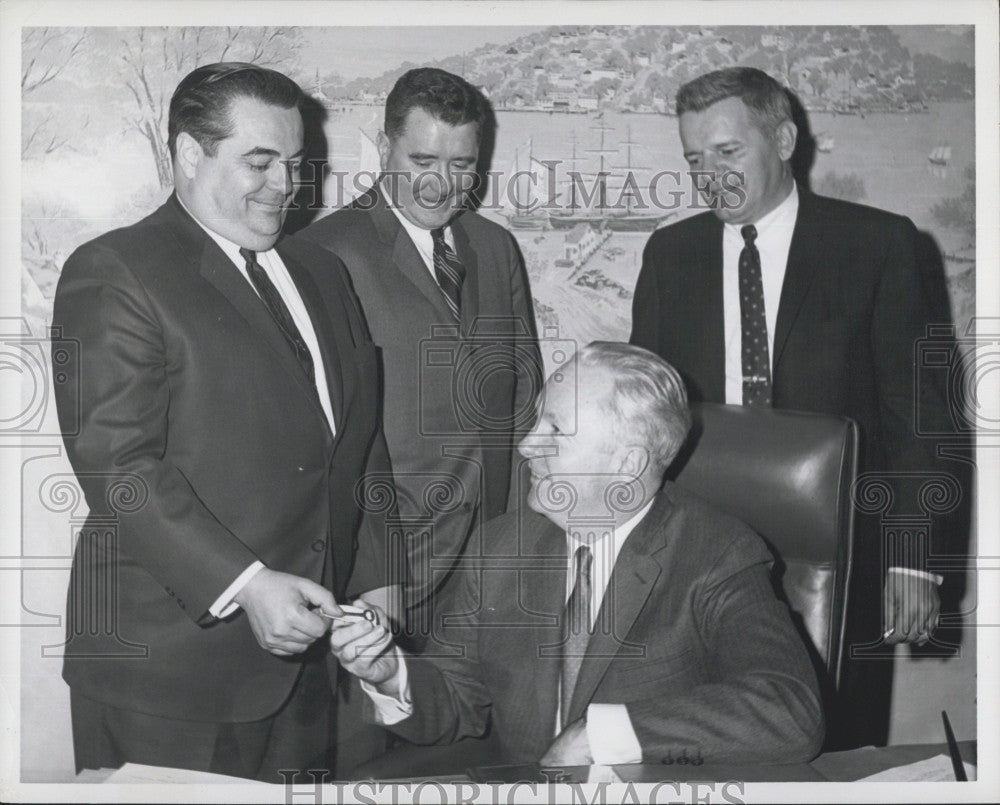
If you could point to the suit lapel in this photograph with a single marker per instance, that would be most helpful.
(405, 256)
(470, 288)
(635, 572)
(542, 596)
(712, 360)
(799, 273)
(330, 330)
(216, 268)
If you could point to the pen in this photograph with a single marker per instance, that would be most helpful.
(956, 756)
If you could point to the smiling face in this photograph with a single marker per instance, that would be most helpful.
(431, 167)
(572, 451)
(243, 191)
(752, 174)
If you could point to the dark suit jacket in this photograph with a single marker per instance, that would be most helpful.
(699, 650)
(450, 397)
(204, 442)
(851, 312)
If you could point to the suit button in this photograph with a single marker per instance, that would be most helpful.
(319, 545)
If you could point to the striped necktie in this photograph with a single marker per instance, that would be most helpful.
(449, 271)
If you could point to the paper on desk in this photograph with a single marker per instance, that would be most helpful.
(602, 774)
(137, 773)
(933, 770)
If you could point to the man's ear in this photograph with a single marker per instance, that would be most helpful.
(786, 135)
(634, 461)
(382, 143)
(188, 155)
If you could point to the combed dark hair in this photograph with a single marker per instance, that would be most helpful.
(441, 94)
(763, 96)
(648, 398)
(201, 103)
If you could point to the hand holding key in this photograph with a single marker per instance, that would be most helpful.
(362, 644)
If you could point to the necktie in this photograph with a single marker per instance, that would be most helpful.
(449, 271)
(577, 629)
(756, 360)
(279, 312)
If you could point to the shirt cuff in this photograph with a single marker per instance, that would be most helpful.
(923, 574)
(388, 709)
(610, 734)
(224, 605)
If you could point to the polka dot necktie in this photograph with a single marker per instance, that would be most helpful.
(756, 360)
(449, 271)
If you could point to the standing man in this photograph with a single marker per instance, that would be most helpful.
(619, 620)
(446, 299)
(229, 388)
(784, 298)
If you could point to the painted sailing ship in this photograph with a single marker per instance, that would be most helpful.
(597, 211)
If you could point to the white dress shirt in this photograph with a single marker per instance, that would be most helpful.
(774, 241)
(609, 729)
(276, 271)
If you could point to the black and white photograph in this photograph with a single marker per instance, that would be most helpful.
(468, 401)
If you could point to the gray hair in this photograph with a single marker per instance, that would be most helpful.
(766, 99)
(648, 397)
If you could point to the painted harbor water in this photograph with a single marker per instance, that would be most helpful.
(879, 159)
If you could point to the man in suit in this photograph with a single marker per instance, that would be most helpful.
(446, 299)
(227, 395)
(617, 621)
(780, 297)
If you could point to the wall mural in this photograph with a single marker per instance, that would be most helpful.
(586, 163)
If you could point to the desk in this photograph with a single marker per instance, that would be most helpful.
(831, 767)
(848, 766)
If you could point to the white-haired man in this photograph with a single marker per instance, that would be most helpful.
(617, 620)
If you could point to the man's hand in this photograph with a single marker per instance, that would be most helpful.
(910, 607)
(365, 649)
(570, 748)
(278, 606)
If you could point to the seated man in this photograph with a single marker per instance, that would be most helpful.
(617, 622)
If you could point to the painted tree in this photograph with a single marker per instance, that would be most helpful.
(155, 59)
(46, 53)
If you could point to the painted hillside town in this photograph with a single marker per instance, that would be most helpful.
(586, 162)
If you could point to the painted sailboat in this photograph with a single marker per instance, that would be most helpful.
(527, 182)
(940, 155)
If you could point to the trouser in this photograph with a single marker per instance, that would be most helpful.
(297, 737)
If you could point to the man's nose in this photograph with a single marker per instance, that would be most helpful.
(280, 178)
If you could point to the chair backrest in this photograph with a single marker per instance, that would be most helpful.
(788, 475)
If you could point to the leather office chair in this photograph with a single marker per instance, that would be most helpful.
(788, 475)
